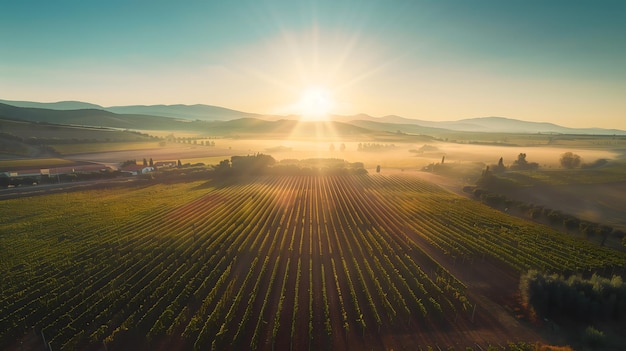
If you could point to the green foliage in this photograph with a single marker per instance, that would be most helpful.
(575, 298)
(209, 265)
(594, 337)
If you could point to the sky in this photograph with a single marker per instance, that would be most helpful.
(556, 61)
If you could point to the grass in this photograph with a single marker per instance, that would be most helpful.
(34, 163)
(616, 172)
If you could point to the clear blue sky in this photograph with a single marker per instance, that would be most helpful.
(557, 61)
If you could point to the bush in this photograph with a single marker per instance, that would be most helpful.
(570, 160)
(575, 298)
(594, 337)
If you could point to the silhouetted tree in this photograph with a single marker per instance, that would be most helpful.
(443, 159)
(145, 162)
(223, 168)
(570, 160)
(522, 164)
(499, 168)
(378, 169)
(251, 164)
(151, 162)
(486, 172)
(180, 164)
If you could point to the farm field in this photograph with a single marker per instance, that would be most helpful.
(87, 148)
(302, 262)
(591, 194)
(34, 163)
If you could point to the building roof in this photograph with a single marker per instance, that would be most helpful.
(133, 168)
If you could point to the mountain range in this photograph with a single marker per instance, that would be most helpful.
(186, 117)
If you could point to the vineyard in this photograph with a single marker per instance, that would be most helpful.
(280, 262)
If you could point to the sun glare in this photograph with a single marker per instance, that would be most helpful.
(315, 104)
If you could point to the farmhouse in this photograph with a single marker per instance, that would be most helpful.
(137, 169)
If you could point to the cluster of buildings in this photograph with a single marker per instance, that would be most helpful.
(85, 168)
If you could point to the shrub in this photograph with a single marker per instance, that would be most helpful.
(569, 160)
(594, 337)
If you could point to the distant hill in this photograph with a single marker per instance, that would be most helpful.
(283, 128)
(139, 117)
(188, 112)
(480, 124)
(61, 105)
(235, 127)
(409, 128)
(89, 117)
(509, 125)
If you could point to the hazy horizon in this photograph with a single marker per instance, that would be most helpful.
(443, 61)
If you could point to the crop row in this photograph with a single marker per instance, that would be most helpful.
(305, 262)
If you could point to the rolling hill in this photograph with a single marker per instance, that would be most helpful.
(89, 117)
(235, 127)
(479, 124)
(61, 105)
(179, 111)
(171, 117)
(190, 112)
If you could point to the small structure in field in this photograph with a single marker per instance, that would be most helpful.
(165, 164)
(136, 169)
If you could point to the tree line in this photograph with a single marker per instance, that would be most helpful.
(261, 164)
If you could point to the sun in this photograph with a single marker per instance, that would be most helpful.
(315, 104)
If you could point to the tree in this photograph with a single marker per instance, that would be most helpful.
(378, 169)
(180, 164)
(145, 162)
(255, 164)
(522, 164)
(570, 160)
(443, 159)
(499, 168)
(151, 162)
(223, 167)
